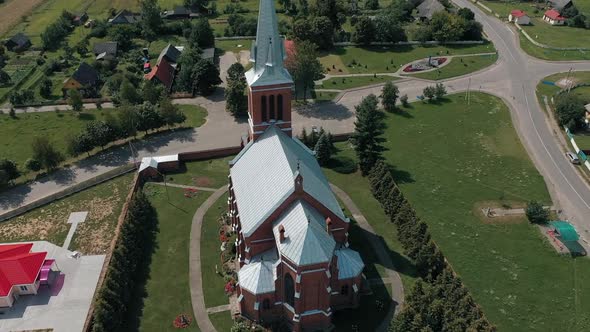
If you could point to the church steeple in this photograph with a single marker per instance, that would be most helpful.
(269, 82)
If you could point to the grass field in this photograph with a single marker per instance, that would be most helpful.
(324, 96)
(343, 83)
(49, 222)
(17, 134)
(463, 157)
(12, 12)
(213, 292)
(167, 289)
(459, 66)
(353, 60)
(552, 55)
(210, 173)
(234, 45)
(557, 36)
(222, 321)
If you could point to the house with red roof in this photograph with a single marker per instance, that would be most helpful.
(21, 272)
(163, 72)
(519, 17)
(553, 17)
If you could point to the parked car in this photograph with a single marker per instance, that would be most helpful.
(572, 157)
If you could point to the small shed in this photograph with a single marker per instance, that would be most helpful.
(152, 166)
(565, 231)
(520, 17)
(428, 8)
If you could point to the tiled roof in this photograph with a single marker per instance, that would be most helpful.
(559, 4)
(268, 51)
(350, 263)
(164, 72)
(517, 13)
(258, 277)
(306, 240)
(109, 48)
(554, 15)
(18, 266)
(263, 177)
(429, 7)
(86, 74)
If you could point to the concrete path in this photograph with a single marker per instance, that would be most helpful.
(175, 185)
(217, 309)
(74, 219)
(195, 275)
(397, 288)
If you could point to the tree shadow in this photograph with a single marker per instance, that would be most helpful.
(401, 112)
(326, 111)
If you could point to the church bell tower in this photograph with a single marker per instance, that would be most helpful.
(269, 83)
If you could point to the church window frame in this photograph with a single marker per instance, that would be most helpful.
(280, 107)
(264, 115)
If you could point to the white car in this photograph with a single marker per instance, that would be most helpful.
(573, 158)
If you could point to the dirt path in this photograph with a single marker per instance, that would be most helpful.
(12, 12)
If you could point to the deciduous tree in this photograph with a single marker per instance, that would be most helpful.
(389, 96)
(304, 66)
(536, 213)
(364, 31)
(45, 153)
(75, 100)
(236, 100)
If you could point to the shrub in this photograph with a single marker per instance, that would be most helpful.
(536, 213)
(33, 165)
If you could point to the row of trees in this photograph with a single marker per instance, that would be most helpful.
(445, 27)
(129, 120)
(439, 301)
(56, 32)
(570, 111)
(128, 266)
(321, 142)
(436, 92)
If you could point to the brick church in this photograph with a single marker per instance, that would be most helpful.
(295, 264)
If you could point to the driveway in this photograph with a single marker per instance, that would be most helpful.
(64, 305)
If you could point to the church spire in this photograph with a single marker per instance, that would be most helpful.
(268, 51)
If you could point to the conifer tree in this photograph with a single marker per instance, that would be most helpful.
(322, 150)
(369, 127)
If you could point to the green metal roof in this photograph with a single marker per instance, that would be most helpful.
(566, 231)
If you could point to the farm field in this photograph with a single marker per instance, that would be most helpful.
(49, 222)
(354, 60)
(459, 66)
(17, 134)
(465, 157)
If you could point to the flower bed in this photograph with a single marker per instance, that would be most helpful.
(424, 65)
(182, 321)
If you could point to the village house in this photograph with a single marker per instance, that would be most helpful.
(22, 272)
(80, 18)
(85, 79)
(125, 17)
(559, 5)
(519, 17)
(105, 50)
(428, 8)
(292, 235)
(178, 13)
(18, 43)
(165, 69)
(553, 17)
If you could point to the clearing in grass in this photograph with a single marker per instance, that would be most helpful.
(462, 155)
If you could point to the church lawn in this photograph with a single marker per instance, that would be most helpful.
(456, 68)
(213, 283)
(355, 60)
(210, 173)
(222, 321)
(449, 159)
(343, 83)
(233, 45)
(167, 286)
(49, 222)
(17, 134)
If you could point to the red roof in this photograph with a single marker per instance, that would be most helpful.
(517, 13)
(554, 15)
(164, 72)
(18, 266)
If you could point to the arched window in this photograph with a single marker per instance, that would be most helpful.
(289, 290)
(263, 108)
(344, 290)
(266, 304)
(271, 101)
(280, 107)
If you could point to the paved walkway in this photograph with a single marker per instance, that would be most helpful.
(195, 275)
(397, 288)
(74, 219)
(175, 185)
(217, 309)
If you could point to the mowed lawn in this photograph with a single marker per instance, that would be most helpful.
(167, 288)
(557, 36)
(343, 83)
(354, 60)
(459, 66)
(16, 135)
(451, 159)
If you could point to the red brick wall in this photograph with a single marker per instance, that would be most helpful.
(208, 154)
(255, 105)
